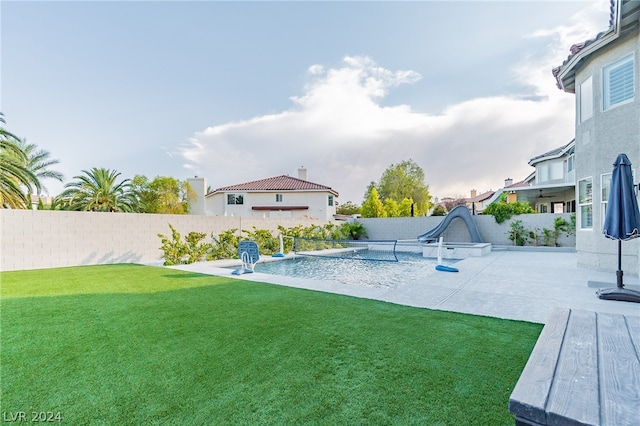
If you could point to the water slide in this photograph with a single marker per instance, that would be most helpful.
(461, 212)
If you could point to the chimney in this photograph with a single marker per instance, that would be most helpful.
(199, 187)
(508, 182)
(302, 173)
(474, 193)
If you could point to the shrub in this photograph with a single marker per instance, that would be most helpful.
(173, 249)
(501, 210)
(225, 246)
(353, 230)
(439, 210)
(518, 234)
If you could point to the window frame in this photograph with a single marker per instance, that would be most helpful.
(604, 193)
(606, 81)
(238, 199)
(582, 96)
(279, 198)
(586, 203)
(330, 200)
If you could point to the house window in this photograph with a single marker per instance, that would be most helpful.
(543, 208)
(585, 100)
(618, 82)
(235, 199)
(571, 163)
(550, 170)
(558, 208)
(605, 184)
(331, 200)
(556, 169)
(278, 198)
(585, 203)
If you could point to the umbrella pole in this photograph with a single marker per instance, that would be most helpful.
(619, 271)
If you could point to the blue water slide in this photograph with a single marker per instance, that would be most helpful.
(461, 212)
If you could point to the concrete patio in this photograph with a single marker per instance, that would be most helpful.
(517, 285)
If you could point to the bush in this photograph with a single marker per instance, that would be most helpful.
(353, 230)
(177, 252)
(225, 246)
(518, 234)
(439, 211)
(501, 210)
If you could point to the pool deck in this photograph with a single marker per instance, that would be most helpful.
(517, 285)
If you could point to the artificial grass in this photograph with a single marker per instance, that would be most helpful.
(127, 344)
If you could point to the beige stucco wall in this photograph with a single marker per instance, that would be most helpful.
(319, 209)
(45, 239)
(599, 140)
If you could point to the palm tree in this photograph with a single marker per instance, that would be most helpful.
(98, 190)
(15, 176)
(38, 162)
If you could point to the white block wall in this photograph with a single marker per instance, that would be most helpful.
(35, 239)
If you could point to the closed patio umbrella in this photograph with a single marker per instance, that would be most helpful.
(622, 223)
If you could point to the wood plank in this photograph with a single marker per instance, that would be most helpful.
(619, 372)
(574, 396)
(529, 397)
(633, 324)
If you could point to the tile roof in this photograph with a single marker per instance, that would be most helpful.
(277, 183)
(480, 197)
(553, 153)
(626, 12)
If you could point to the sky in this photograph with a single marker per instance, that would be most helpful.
(240, 91)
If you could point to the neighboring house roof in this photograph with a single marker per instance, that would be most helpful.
(623, 16)
(554, 153)
(520, 184)
(481, 197)
(277, 183)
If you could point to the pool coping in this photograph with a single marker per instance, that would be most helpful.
(505, 284)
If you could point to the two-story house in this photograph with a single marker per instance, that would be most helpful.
(604, 75)
(550, 188)
(275, 197)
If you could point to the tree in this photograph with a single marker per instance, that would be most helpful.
(39, 163)
(501, 210)
(405, 180)
(162, 195)
(348, 208)
(99, 190)
(451, 203)
(15, 176)
(391, 208)
(439, 210)
(405, 207)
(372, 207)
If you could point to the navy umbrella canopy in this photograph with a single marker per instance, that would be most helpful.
(621, 222)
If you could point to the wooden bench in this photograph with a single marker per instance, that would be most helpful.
(584, 370)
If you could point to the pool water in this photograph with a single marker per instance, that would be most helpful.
(370, 273)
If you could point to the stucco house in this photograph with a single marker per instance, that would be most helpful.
(550, 188)
(604, 74)
(275, 197)
(476, 203)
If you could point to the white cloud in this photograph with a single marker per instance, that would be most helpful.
(338, 129)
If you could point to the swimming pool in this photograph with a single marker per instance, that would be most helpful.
(410, 266)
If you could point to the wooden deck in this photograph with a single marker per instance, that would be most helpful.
(584, 370)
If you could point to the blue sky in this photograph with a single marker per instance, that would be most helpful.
(238, 91)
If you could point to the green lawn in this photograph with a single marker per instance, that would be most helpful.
(127, 344)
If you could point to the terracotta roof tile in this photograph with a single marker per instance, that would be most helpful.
(277, 183)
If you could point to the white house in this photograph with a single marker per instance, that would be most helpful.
(275, 197)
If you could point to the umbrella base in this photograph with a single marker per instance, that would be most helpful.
(622, 294)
